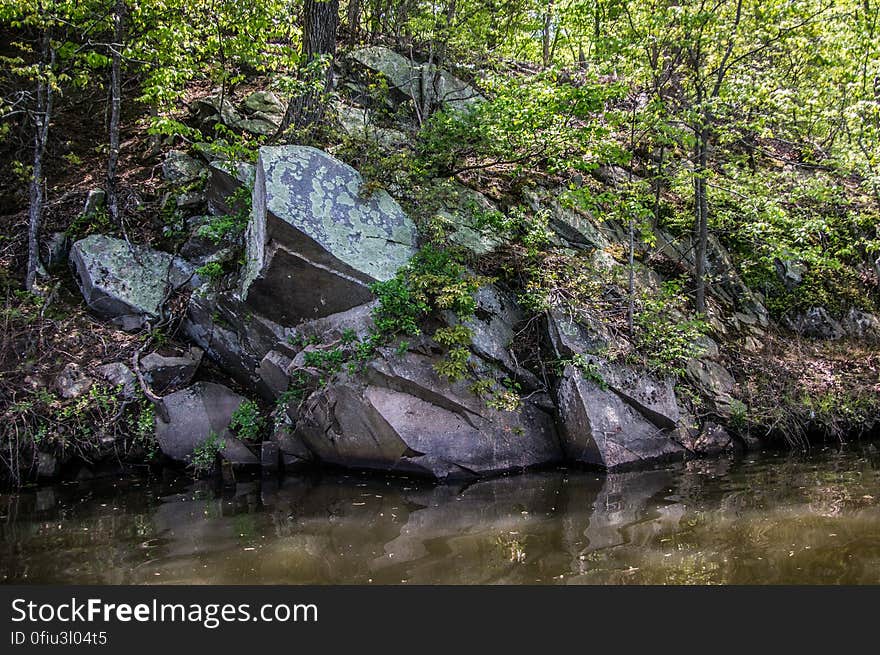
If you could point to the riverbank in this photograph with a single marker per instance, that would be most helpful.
(348, 300)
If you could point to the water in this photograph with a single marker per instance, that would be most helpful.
(772, 519)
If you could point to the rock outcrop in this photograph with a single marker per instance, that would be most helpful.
(616, 426)
(423, 83)
(316, 240)
(124, 282)
(194, 414)
(402, 417)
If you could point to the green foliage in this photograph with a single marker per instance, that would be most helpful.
(229, 226)
(664, 336)
(204, 456)
(546, 120)
(211, 271)
(432, 282)
(247, 421)
(588, 368)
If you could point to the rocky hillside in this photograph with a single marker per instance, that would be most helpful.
(323, 304)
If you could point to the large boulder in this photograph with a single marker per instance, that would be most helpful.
(401, 416)
(575, 333)
(425, 84)
(232, 335)
(575, 225)
(265, 102)
(357, 124)
(124, 282)
(493, 330)
(316, 240)
(602, 427)
(193, 415)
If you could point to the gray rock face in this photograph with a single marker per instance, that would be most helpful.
(232, 335)
(57, 247)
(180, 168)
(123, 282)
(269, 457)
(293, 452)
(460, 216)
(713, 439)
(314, 242)
(418, 81)
(727, 285)
(571, 335)
(47, 465)
(576, 226)
(815, 323)
(493, 329)
(264, 102)
(96, 200)
(403, 417)
(356, 122)
(210, 111)
(226, 178)
(603, 428)
(201, 247)
(862, 325)
(194, 413)
(164, 373)
(713, 381)
(789, 272)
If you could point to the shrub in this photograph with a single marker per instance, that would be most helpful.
(247, 422)
(205, 455)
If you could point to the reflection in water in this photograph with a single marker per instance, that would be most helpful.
(772, 520)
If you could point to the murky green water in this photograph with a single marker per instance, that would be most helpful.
(773, 519)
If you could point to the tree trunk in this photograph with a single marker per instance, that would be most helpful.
(320, 23)
(545, 34)
(701, 224)
(353, 17)
(115, 110)
(42, 116)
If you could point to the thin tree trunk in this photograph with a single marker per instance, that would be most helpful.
(42, 117)
(320, 23)
(545, 33)
(701, 224)
(353, 17)
(115, 110)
